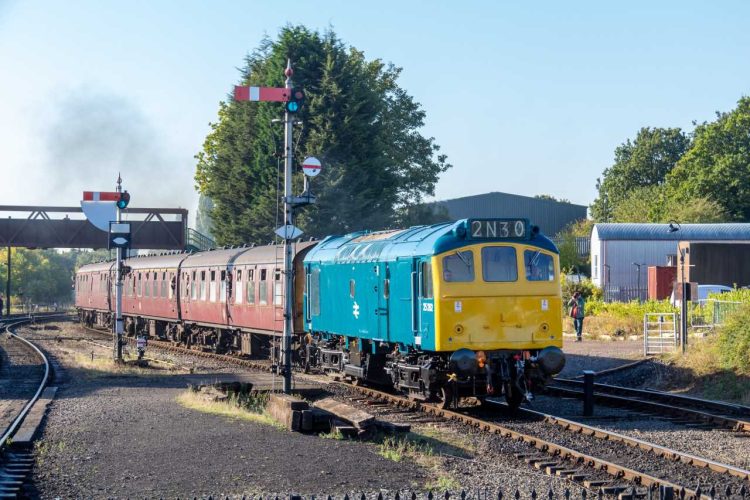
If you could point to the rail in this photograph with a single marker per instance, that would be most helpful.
(17, 421)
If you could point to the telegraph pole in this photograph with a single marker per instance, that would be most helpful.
(118, 287)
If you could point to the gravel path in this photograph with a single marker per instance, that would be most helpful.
(111, 435)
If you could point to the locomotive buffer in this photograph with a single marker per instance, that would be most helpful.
(293, 99)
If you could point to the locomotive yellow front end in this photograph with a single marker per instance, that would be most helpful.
(498, 307)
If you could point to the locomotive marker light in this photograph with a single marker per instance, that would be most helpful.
(293, 99)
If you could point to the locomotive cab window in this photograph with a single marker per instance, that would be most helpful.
(499, 264)
(426, 283)
(539, 266)
(459, 267)
(263, 288)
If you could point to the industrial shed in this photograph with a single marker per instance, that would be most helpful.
(551, 216)
(622, 253)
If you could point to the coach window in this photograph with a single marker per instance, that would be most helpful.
(193, 288)
(223, 287)
(251, 286)
(156, 284)
(459, 267)
(263, 289)
(315, 292)
(278, 293)
(147, 285)
(203, 285)
(212, 287)
(238, 291)
(164, 285)
(172, 285)
(499, 264)
(426, 288)
(539, 266)
(352, 288)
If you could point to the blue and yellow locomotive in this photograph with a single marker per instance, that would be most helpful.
(470, 308)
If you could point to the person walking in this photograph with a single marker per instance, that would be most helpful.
(577, 312)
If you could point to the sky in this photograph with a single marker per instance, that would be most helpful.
(524, 97)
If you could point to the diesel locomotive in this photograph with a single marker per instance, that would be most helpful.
(468, 308)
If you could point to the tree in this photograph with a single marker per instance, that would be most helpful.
(203, 222)
(717, 167)
(39, 276)
(356, 119)
(640, 163)
(551, 198)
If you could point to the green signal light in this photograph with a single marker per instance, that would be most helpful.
(122, 203)
(292, 106)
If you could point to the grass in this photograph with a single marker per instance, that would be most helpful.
(251, 409)
(333, 434)
(427, 446)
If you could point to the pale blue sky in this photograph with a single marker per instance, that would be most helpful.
(523, 97)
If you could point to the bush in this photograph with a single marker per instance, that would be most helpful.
(585, 287)
(734, 341)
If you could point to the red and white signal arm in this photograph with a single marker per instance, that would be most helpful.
(311, 166)
(100, 207)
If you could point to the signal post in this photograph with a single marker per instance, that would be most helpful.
(293, 99)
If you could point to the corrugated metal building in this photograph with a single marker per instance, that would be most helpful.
(619, 251)
(551, 216)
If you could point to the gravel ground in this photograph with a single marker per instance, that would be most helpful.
(113, 435)
(617, 452)
(719, 445)
(598, 355)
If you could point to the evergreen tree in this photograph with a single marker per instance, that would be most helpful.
(356, 119)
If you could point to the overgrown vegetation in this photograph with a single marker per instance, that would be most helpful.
(250, 407)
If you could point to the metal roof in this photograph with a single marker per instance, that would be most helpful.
(687, 232)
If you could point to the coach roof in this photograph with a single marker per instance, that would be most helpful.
(686, 232)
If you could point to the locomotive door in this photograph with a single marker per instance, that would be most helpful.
(378, 285)
(425, 304)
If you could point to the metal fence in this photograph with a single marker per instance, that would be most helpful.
(659, 333)
(552, 493)
(709, 313)
(583, 244)
(624, 293)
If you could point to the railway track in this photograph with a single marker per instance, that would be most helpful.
(15, 464)
(676, 408)
(576, 464)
